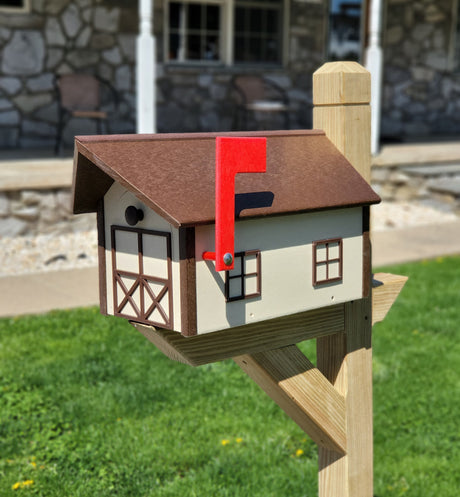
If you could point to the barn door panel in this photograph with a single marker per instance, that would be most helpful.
(128, 295)
(142, 280)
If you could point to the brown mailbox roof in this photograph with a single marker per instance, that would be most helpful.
(174, 174)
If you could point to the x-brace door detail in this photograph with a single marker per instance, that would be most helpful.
(142, 280)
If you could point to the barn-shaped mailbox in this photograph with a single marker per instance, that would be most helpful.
(301, 230)
(210, 264)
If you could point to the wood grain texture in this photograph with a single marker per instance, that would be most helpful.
(304, 394)
(341, 94)
(332, 465)
(346, 360)
(249, 339)
(348, 127)
(359, 398)
(341, 83)
(386, 288)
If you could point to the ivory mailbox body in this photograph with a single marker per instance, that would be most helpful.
(301, 229)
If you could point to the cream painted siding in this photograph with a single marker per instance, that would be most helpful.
(116, 200)
(286, 267)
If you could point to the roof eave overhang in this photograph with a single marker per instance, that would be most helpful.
(92, 178)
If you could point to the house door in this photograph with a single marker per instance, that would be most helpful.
(142, 281)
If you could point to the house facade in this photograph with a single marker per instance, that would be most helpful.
(306, 249)
(200, 46)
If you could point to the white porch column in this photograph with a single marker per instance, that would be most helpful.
(145, 70)
(374, 64)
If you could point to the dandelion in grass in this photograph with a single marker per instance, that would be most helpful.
(299, 452)
(225, 442)
(22, 484)
(239, 440)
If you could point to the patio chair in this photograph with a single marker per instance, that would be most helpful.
(255, 94)
(81, 96)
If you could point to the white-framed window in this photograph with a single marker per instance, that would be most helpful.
(224, 31)
(194, 31)
(14, 5)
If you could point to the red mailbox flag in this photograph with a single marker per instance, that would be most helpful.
(233, 155)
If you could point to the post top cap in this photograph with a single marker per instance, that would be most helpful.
(336, 83)
(341, 67)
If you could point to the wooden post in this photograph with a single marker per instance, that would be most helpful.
(341, 95)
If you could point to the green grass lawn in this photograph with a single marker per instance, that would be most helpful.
(88, 407)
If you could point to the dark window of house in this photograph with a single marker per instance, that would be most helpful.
(345, 33)
(455, 44)
(258, 28)
(205, 32)
(327, 261)
(244, 281)
(194, 31)
(19, 4)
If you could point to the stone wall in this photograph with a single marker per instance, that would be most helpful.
(98, 37)
(33, 212)
(57, 37)
(421, 76)
(437, 185)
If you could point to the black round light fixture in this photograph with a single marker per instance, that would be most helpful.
(133, 215)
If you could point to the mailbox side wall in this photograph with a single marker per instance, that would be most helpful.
(116, 200)
(286, 245)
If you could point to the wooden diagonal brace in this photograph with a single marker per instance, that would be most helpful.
(385, 289)
(315, 401)
(300, 389)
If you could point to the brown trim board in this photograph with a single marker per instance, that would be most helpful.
(367, 253)
(187, 268)
(101, 255)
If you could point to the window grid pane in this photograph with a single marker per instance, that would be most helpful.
(194, 31)
(250, 282)
(12, 3)
(327, 261)
(257, 36)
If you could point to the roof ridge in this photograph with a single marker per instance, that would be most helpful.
(194, 136)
